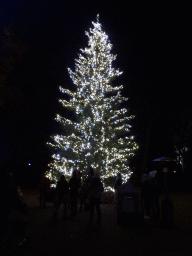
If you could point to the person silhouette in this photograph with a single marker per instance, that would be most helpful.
(95, 189)
(62, 189)
(44, 187)
(74, 185)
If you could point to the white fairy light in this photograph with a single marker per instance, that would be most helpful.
(94, 138)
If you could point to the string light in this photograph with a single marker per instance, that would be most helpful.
(99, 136)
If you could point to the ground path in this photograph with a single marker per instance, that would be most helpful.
(77, 237)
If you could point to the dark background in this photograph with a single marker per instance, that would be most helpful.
(41, 39)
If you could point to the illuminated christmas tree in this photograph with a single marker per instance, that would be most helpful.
(100, 135)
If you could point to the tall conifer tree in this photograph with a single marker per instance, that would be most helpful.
(100, 135)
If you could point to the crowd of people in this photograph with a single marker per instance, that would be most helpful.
(76, 192)
(68, 193)
(89, 192)
(150, 191)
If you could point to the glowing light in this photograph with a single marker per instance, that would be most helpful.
(100, 134)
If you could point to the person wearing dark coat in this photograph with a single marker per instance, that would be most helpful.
(118, 184)
(90, 176)
(146, 194)
(62, 196)
(74, 185)
(44, 187)
(155, 195)
(95, 190)
(83, 193)
(118, 181)
(15, 207)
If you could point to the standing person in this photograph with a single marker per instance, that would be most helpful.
(90, 176)
(83, 192)
(95, 190)
(44, 187)
(15, 207)
(118, 184)
(79, 175)
(74, 185)
(62, 196)
(154, 195)
(91, 172)
(146, 193)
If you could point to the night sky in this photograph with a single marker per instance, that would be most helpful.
(153, 46)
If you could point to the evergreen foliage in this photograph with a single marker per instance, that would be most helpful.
(100, 135)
